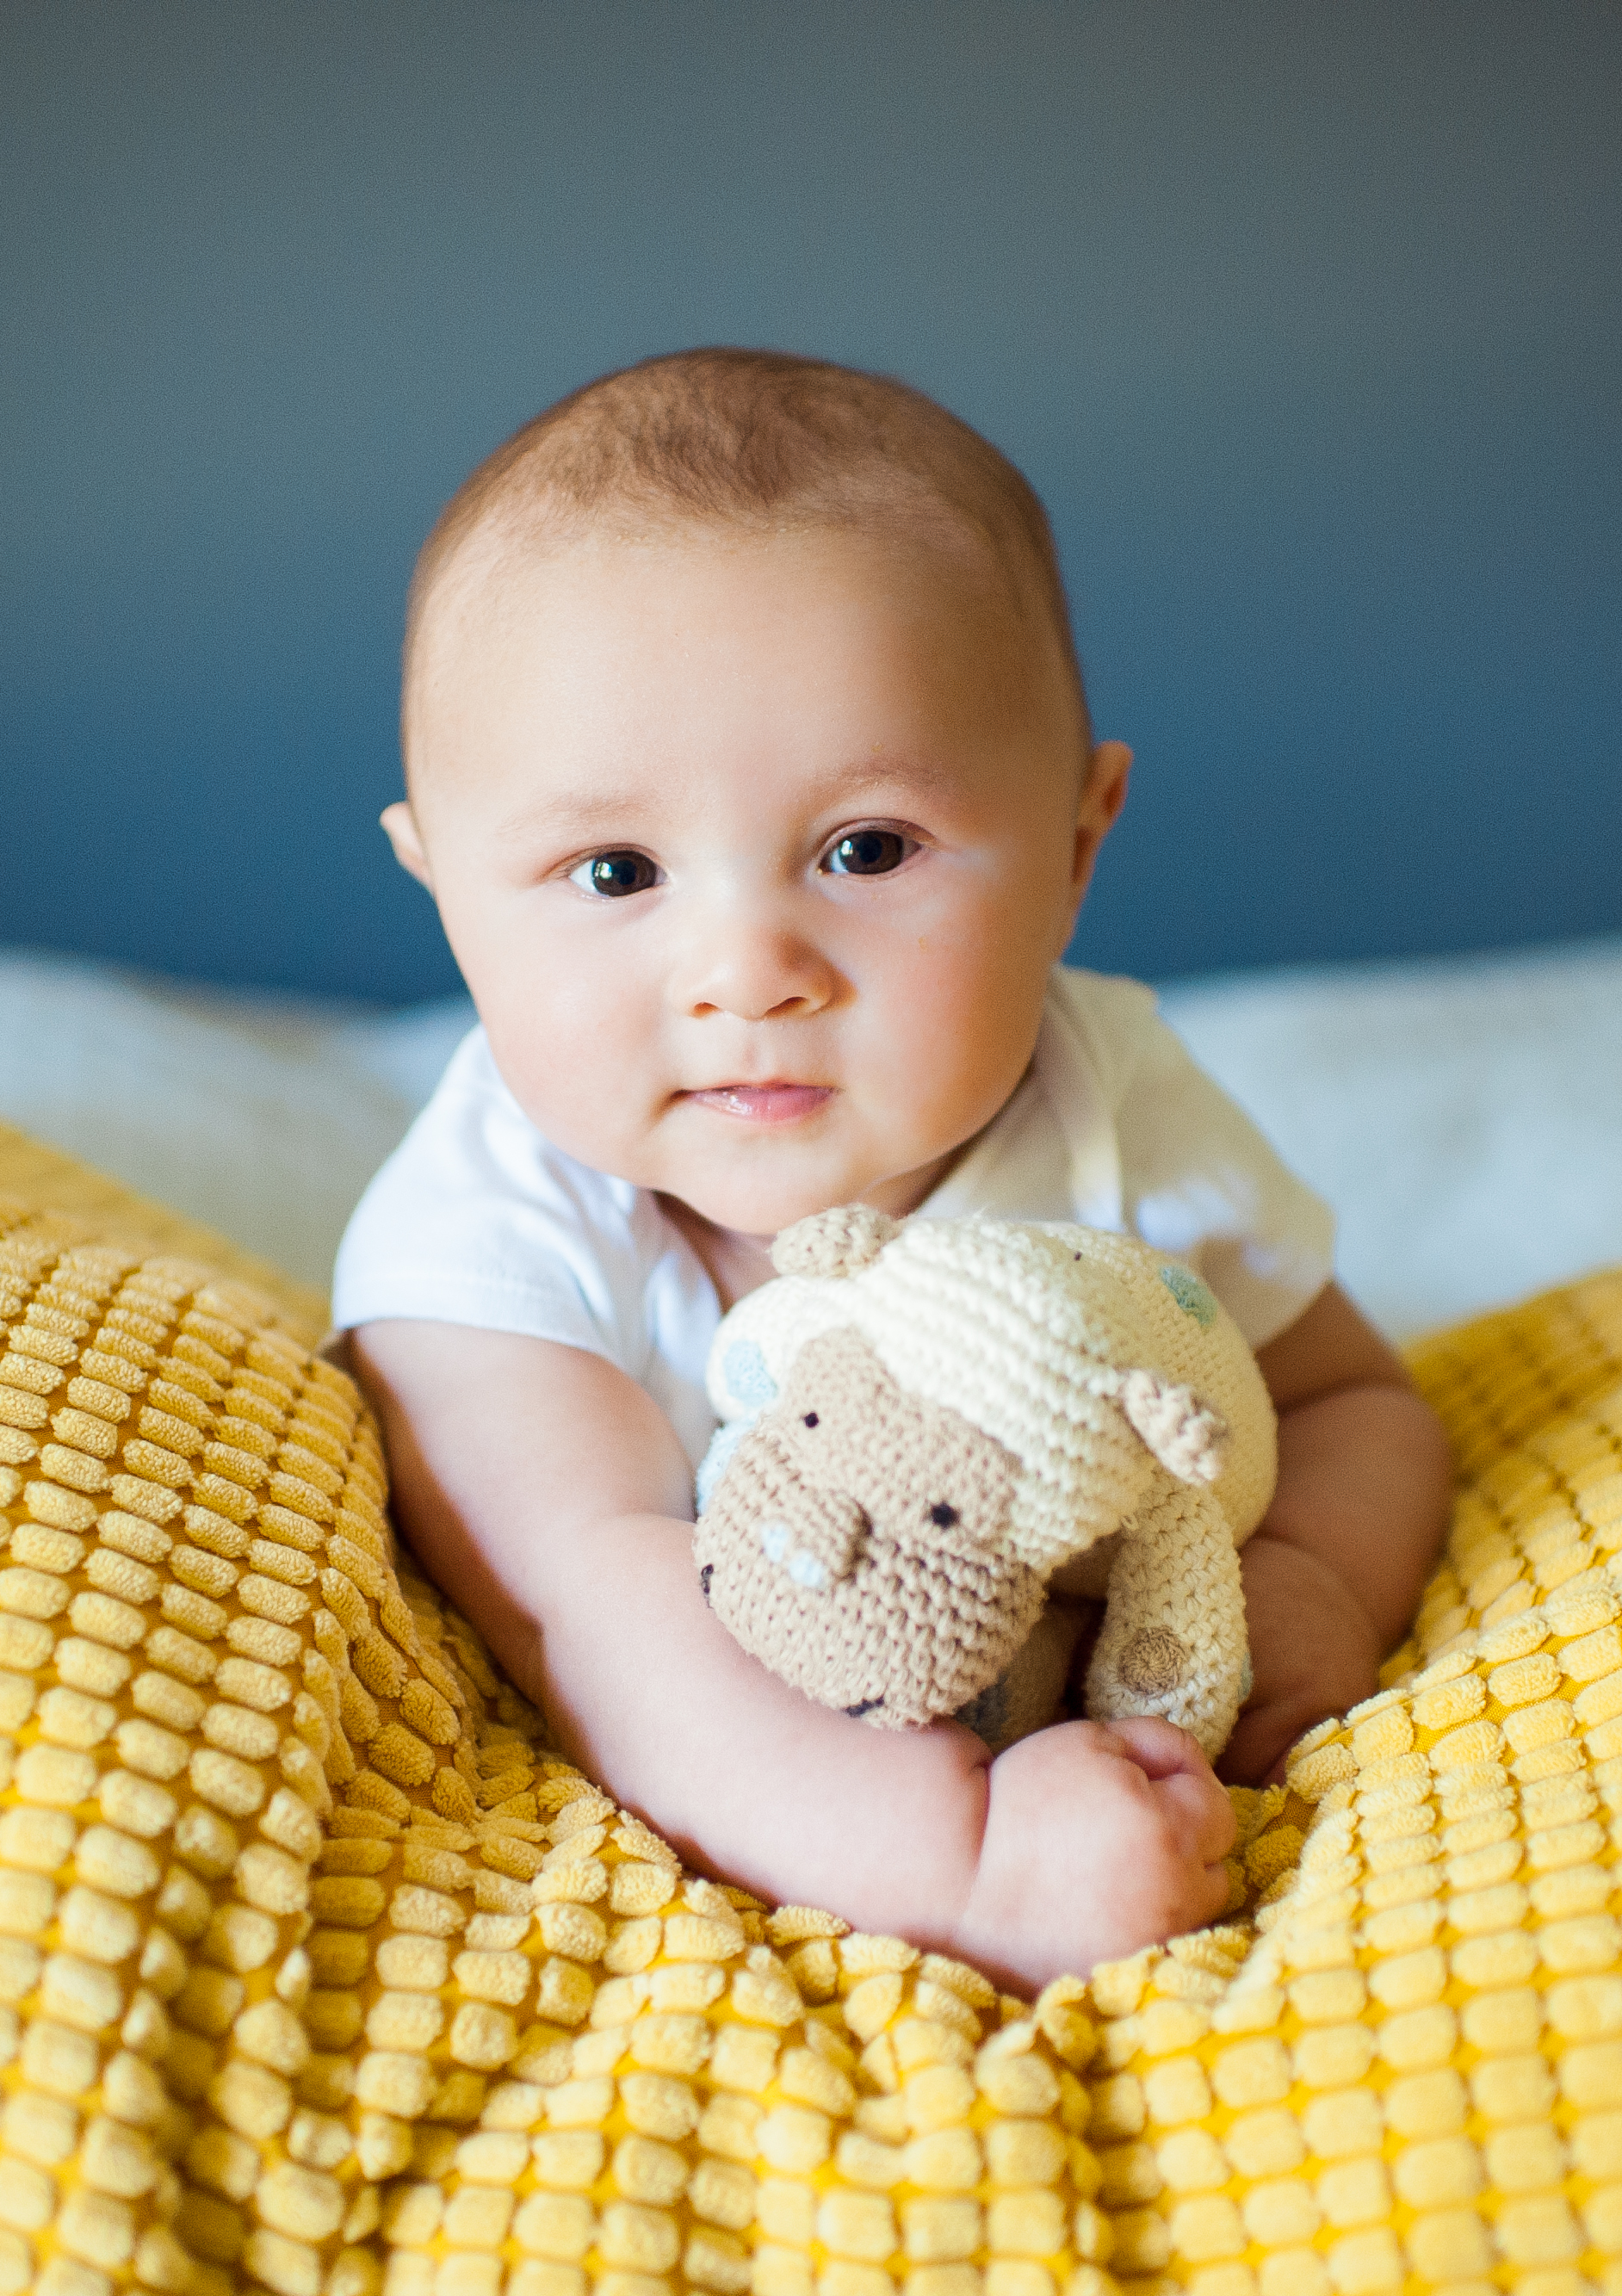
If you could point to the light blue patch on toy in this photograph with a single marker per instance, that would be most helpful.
(744, 1368)
(1190, 1295)
(712, 1466)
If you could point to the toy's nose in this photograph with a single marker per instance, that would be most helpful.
(814, 1537)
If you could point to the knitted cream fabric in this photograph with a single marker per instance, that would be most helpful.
(942, 1411)
(319, 1975)
(1002, 1323)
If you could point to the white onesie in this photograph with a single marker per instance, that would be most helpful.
(476, 1218)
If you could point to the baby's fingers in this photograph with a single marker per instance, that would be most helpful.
(1204, 1813)
(1215, 1893)
(1159, 1748)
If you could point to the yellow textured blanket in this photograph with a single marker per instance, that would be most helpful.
(318, 1973)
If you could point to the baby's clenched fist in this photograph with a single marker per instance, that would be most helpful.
(1100, 1838)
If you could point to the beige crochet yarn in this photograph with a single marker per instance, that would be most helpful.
(924, 1421)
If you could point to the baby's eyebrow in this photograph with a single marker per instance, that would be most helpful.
(845, 783)
(596, 810)
(582, 812)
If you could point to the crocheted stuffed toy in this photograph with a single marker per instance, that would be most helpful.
(923, 1422)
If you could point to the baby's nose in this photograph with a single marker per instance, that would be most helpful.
(754, 967)
(813, 1537)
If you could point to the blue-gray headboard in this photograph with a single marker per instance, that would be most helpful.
(1305, 321)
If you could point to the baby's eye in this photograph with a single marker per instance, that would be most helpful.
(868, 853)
(616, 874)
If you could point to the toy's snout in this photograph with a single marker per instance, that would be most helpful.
(855, 1541)
(813, 1535)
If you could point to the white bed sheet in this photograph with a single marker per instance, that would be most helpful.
(1463, 1116)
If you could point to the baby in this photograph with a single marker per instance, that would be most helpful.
(750, 765)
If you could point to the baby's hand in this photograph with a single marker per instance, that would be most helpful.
(1313, 1652)
(1100, 1838)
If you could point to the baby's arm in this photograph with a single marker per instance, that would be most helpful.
(1332, 1575)
(549, 1496)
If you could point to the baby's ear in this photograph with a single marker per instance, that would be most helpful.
(837, 1242)
(1186, 1436)
(400, 828)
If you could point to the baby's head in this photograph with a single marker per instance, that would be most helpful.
(750, 765)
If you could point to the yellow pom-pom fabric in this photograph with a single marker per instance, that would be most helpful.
(320, 1974)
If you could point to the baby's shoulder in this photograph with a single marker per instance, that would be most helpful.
(1110, 1001)
(478, 1218)
(473, 1142)
(1111, 1020)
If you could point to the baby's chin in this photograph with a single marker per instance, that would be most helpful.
(754, 1180)
(762, 1204)
(760, 1213)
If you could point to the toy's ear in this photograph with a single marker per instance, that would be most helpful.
(837, 1242)
(1186, 1436)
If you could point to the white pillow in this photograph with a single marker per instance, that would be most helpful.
(263, 1117)
(1464, 1115)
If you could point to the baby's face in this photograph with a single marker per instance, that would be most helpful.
(755, 852)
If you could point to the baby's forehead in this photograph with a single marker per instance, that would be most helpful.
(613, 655)
(574, 685)
(506, 566)
(509, 584)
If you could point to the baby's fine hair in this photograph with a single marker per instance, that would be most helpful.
(761, 440)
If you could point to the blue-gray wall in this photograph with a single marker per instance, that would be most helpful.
(1304, 318)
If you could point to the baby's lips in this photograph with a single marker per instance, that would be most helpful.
(763, 1103)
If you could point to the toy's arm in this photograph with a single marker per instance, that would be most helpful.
(1173, 1640)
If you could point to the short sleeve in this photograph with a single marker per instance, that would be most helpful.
(1198, 1179)
(476, 1219)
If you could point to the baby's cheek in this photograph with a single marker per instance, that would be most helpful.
(949, 1044)
(581, 1064)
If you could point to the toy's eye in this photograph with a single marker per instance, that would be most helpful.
(810, 1419)
(942, 1515)
(613, 875)
(868, 853)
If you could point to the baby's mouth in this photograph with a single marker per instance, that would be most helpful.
(764, 1103)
